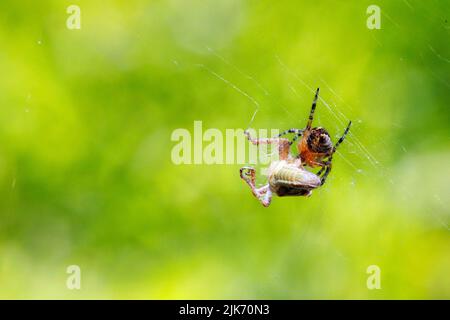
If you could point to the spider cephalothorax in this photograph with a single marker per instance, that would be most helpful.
(288, 177)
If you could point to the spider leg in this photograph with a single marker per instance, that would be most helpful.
(283, 144)
(341, 139)
(313, 108)
(327, 166)
(327, 169)
(293, 130)
(298, 133)
(285, 132)
(263, 194)
(320, 171)
(323, 164)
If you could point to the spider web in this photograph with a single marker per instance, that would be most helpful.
(360, 153)
(333, 113)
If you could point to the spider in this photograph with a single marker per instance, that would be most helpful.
(287, 176)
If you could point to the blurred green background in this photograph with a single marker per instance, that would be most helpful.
(86, 176)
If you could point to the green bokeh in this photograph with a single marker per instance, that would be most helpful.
(86, 176)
